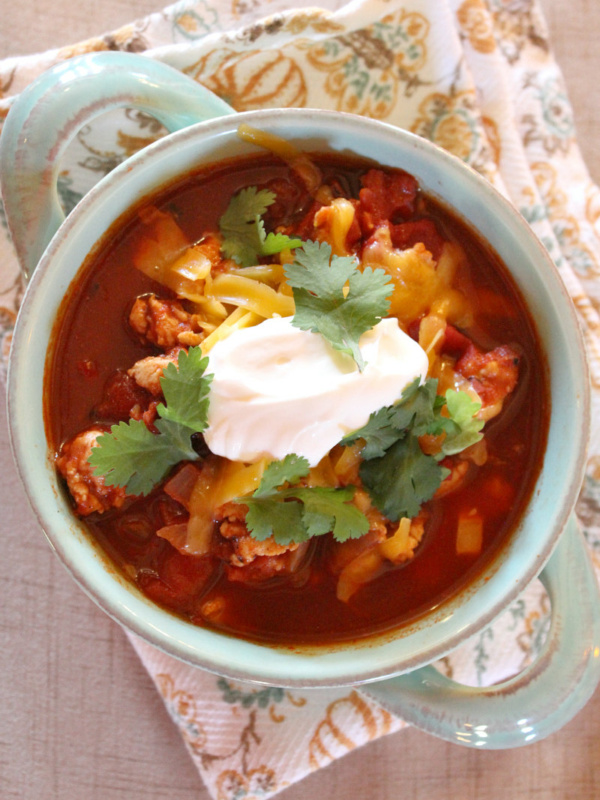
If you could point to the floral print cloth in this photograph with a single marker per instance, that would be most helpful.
(478, 78)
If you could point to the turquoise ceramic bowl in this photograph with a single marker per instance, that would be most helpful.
(29, 174)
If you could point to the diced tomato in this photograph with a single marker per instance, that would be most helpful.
(305, 229)
(386, 197)
(407, 234)
(455, 343)
(354, 234)
(290, 195)
(493, 375)
(121, 394)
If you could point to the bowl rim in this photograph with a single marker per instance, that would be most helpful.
(344, 664)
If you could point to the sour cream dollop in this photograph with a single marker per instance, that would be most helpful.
(278, 389)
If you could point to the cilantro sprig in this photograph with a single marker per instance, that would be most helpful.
(334, 298)
(296, 513)
(398, 475)
(401, 480)
(462, 427)
(332, 295)
(133, 457)
(243, 230)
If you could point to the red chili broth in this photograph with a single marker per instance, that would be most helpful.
(93, 339)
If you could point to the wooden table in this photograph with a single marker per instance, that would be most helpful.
(79, 717)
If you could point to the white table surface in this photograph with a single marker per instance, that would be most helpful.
(79, 716)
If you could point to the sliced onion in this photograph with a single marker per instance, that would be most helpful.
(181, 485)
(176, 534)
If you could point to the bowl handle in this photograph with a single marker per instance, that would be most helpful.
(538, 701)
(51, 110)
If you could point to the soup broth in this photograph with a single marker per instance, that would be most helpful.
(483, 341)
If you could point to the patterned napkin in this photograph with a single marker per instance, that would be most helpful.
(478, 78)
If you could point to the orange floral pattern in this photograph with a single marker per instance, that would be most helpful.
(566, 226)
(237, 766)
(250, 80)
(494, 138)
(333, 734)
(474, 20)
(183, 709)
(259, 782)
(592, 209)
(452, 121)
(316, 21)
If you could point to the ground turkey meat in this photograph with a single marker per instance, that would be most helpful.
(88, 490)
(161, 321)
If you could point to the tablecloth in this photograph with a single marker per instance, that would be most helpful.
(479, 79)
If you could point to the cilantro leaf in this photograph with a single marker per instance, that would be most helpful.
(297, 513)
(378, 434)
(328, 509)
(269, 516)
(417, 409)
(178, 437)
(289, 470)
(240, 224)
(403, 479)
(132, 456)
(462, 427)
(276, 242)
(243, 230)
(397, 474)
(318, 280)
(186, 389)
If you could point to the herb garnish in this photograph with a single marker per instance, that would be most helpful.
(295, 514)
(243, 230)
(323, 305)
(398, 475)
(133, 457)
(334, 298)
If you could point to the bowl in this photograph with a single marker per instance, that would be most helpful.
(52, 252)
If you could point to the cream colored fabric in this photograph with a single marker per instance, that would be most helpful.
(479, 79)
